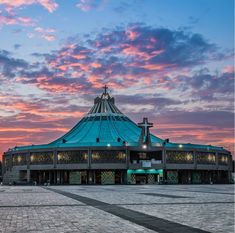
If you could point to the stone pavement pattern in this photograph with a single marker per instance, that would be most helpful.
(38, 209)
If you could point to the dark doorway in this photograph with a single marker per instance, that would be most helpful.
(141, 178)
(84, 177)
(184, 177)
(118, 177)
(97, 177)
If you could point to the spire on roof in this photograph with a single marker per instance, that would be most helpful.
(105, 94)
(105, 89)
(105, 104)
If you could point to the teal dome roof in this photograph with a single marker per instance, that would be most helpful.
(105, 125)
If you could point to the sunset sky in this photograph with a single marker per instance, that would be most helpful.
(168, 60)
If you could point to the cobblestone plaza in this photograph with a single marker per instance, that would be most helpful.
(122, 208)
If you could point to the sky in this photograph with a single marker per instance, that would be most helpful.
(170, 61)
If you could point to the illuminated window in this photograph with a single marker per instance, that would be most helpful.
(179, 156)
(19, 159)
(108, 156)
(66, 157)
(223, 159)
(41, 158)
(205, 157)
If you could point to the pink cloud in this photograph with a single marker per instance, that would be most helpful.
(36, 121)
(83, 5)
(79, 56)
(87, 5)
(44, 33)
(39, 110)
(25, 20)
(127, 61)
(95, 80)
(49, 37)
(130, 50)
(228, 69)
(96, 65)
(194, 133)
(44, 30)
(65, 67)
(50, 5)
(11, 20)
(131, 34)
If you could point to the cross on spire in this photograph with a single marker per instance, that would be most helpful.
(145, 135)
(145, 125)
(105, 89)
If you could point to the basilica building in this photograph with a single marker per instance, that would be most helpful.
(106, 147)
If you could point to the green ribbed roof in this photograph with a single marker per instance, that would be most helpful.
(106, 125)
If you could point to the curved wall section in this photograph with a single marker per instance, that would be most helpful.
(94, 165)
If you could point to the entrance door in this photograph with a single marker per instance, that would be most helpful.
(141, 179)
(97, 177)
(83, 177)
(118, 177)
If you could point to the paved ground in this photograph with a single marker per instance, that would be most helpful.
(146, 208)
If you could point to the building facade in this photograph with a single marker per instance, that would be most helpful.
(106, 147)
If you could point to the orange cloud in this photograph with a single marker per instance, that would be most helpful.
(155, 66)
(96, 65)
(83, 67)
(79, 56)
(34, 122)
(36, 109)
